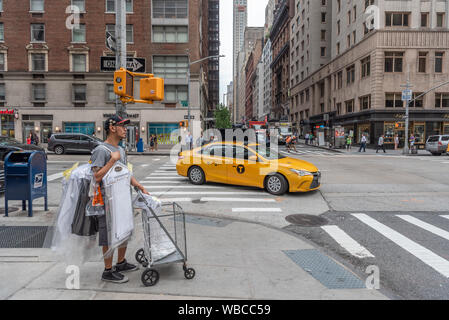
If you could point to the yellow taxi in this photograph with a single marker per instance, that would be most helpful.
(248, 165)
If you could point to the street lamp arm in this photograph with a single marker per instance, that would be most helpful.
(210, 57)
(430, 90)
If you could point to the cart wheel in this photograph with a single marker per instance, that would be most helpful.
(140, 256)
(150, 277)
(189, 273)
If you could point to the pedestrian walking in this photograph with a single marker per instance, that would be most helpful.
(156, 141)
(189, 141)
(396, 142)
(102, 161)
(363, 142)
(380, 144)
(152, 142)
(348, 143)
(412, 142)
(307, 138)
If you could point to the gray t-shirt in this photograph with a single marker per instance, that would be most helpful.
(101, 156)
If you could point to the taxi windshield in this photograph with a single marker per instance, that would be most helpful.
(267, 153)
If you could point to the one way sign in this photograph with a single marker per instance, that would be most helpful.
(132, 64)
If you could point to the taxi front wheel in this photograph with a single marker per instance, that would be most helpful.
(276, 184)
(196, 175)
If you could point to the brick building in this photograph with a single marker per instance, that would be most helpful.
(52, 76)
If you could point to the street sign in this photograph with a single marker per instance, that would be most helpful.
(132, 64)
(110, 42)
(407, 95)
(191, 117)
(184, 103)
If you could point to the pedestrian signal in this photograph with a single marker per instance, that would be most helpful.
(151, 88)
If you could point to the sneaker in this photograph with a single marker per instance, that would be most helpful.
(114, 277)
(125, 267)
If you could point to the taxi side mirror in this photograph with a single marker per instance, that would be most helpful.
(253, 158)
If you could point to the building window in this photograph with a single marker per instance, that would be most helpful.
(338, 108)
(170, 34)
(338, 47)
(2, 92)
(393, 100)
(79, 93)
(441, 100)
(2, 61)
(110, 94)
(79, 34)
(395, 19)
(38, 92)
(174, 9)
(175, 93)
(307, 96)
(424, 20)
(418, 103)
(350, 74)
(323, 51)
(38, 61)
(366, 67)
(440, 20)
(110, 28)
(422, 62)
(79, 62)
(393, 61)
(1, 5)
(439, 62)
(323, 17)
(37, 5)
(349, 106)
(323, 35)
(37, 32)
(80, 4)
(340, 79)
(110, 6)
(368, 3)
(170, 67)
(365, 102)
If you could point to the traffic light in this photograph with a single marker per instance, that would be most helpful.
(184, 124)
(151, 88)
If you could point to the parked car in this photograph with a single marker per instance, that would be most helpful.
(8, 144)
(437, 145)
(61, 143)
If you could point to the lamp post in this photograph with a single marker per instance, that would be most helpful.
(188, 80)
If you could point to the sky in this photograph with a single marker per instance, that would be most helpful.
(256, 18)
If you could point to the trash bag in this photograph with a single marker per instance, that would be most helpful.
(82, 224)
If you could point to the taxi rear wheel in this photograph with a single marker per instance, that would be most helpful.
(276, 184)
(196, 175)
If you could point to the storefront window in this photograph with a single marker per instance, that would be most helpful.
(7, 125)
(433, 128)
(363, 129)
(46, 131)
(419, 132)
(80, 127)
(163, 132)
(446, 128)
(389, 131)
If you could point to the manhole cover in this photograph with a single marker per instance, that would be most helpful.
(304, 220)
(10, 209)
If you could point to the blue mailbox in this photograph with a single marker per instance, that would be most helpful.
(25, 178)
(140, 145)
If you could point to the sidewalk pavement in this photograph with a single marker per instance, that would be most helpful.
(233, 260)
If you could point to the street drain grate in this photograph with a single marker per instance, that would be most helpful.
(325, 270)
(22, 237)
(304, 220)
(210, 222)
(10, 209)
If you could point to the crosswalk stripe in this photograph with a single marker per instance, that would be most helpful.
(439, 232)
(349, 244)
(256, 210)
(185, 186)
(55, 176)
(445, 217)
(167, 178)
(236, 200)
(165, 182)
(425, 255)
(165, 200)
(207, 193)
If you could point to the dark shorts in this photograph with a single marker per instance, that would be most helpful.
(103, 233)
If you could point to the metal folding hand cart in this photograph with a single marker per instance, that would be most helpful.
(164, 240)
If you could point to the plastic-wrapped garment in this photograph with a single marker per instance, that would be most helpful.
(161, 244)
(84, 225)
(119, 210)
(73, 249)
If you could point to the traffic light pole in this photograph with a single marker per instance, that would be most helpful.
(120, 54)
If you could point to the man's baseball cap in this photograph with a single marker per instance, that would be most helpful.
(114, 121)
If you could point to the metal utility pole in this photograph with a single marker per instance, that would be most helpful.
(407, 97)
(120, 53)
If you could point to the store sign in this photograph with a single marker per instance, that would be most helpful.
(109, 115)
(7, 111)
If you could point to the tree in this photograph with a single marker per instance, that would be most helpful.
(222, 118)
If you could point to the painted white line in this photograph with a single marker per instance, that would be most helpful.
(347, 243)
(212, 193)
(176, 199)
(156, 159)
(164, 174)
(256, 210)
(186, 186)
(64, 162)
(166, 182)
(425, 255)
(55, 176)
(180, 178)
(237, 200)
(145, 165)
(439, 232)
(445, 217)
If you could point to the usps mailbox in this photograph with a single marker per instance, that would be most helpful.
(25, 178)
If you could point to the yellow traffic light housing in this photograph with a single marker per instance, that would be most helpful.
(151, 88)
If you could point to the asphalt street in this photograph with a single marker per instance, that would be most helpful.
(392, 208)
